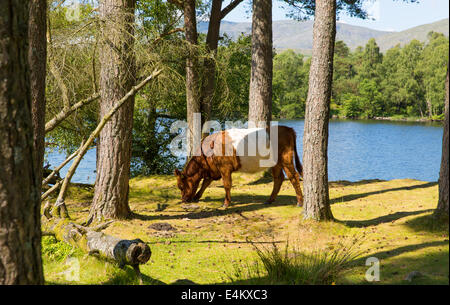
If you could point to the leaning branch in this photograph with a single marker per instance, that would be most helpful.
(94, 134)
(229, 8)
(176, 30)
(56, 170)
(65, 112)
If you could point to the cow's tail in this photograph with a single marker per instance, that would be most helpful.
(298, 164)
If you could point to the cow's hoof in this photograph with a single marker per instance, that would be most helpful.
(225, 206)
(195, 200)
(299, 204)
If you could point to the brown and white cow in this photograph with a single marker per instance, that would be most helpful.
(235, 150)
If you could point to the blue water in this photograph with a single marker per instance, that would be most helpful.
(357, 150)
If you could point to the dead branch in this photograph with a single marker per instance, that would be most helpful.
(52, 189)
(56, 170)
(229, 8)
(167, 34)
(65, 112)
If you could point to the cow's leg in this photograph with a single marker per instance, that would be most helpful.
(206, 182)
(294, 177)
(226, 178)
(278, 177)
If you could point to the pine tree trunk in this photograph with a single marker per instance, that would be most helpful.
(37, 58)
(260, 96)
(442, 208)
(315, 137)
(192, 81)
(212, 39)
(117, 76)
(20, 227)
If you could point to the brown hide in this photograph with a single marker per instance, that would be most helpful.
(218, 160)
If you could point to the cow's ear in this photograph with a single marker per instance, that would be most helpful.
(177, 172)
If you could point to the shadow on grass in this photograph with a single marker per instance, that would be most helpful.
(398, 251)
(429, 223)
(358, 196)
(218, 242)
(433, 265)
(127, 276)
(379, 220)
(341, 183)
(240, 203)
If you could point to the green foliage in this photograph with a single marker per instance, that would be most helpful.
(233, 64)
(351, 105)
(289, 85)
(55, 250)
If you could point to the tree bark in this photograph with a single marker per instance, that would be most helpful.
(442, 207)
(192, 80)
(260, 97)
(315, 137)
(117, 76)
(212, 39)
(20, 227)
(37, 57)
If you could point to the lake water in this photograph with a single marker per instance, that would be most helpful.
(357, 150)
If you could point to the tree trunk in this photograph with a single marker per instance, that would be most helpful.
(315, 137)
(212, 39)
(260, 100)
(20, 227)
(442, 208)
(37, 56)
(117, 76)
(192, 81)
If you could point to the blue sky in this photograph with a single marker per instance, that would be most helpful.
(389, 15)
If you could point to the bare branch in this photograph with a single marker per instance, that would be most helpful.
(63, 114)
(229, 8)
(56, 170)
(167, 34)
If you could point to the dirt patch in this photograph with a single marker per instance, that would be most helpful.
(162, 226)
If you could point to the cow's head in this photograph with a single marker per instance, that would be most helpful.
(187, 185)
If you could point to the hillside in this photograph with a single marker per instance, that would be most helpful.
(297, 35)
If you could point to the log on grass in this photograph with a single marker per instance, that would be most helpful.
(122, 251)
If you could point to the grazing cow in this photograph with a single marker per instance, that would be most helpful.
(237, 150)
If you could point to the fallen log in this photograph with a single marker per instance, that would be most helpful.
(121, 251)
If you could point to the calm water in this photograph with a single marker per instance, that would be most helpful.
(357, 150)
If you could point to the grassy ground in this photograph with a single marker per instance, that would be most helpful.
(390, 219)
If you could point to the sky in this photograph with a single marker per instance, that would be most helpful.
(387, 15)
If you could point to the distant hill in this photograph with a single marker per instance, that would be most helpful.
(297, 35)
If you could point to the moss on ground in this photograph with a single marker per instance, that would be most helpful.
(392, 220)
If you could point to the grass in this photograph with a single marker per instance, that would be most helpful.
(393, 219)
(295, 267)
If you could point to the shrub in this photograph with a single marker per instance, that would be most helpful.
(293, 267)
